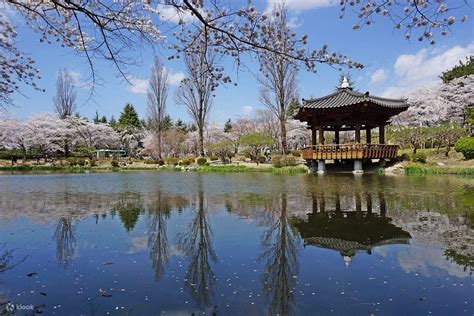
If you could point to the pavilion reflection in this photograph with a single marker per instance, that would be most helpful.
(358, 227)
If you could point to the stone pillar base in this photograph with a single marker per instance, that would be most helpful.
(358, 167)
(321, 167)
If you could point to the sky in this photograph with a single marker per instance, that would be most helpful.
(394, 66)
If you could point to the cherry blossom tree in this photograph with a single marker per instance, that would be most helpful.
(299, 135)
(443, 102)
(113, 30)
(420, 19)
(14, 134)
(47, 134)
(92, 135)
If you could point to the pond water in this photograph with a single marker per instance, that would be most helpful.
(143, 243)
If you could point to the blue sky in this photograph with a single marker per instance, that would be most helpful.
(393, 65)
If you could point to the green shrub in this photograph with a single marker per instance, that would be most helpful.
(213, 158)
(81, 162)
(185, 162)
(262, 159)
(201, 161)
(150, 162)
(161, 162)
(92, 162)
(465, 146)
(419, 157)
(171, 161)
(207, 163)
(279, 161)
(296, 153)
(114, 163)
(403, 157)
(72, 161)
(191, 160)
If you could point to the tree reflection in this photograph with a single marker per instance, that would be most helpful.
(6, 263)
(157, 236)
(128, 209)
(197, 244)
(65, 239)
(280, 245)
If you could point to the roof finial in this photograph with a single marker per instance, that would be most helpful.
(347, 260)
(345, 83)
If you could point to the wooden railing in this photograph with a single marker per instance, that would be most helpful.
(350, 151)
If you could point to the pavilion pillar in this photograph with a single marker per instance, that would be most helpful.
(357, 134)
(382, 134)
(321, 163)
(336, 136)
(368, 135)
(321, 135)
(313, 135)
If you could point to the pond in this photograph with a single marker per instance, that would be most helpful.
(142, 243)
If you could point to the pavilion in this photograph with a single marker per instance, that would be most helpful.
(348, 110)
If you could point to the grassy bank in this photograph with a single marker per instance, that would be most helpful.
(420, 169)
(210, 168)
(242, 168)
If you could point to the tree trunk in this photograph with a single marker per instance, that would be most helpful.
(284, 144)
(159, 145)
(448, 148)
(66, 149)
(201, 140)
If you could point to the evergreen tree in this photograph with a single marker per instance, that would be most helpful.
(294, 107)
(228, 126)
(166, 123)
(113, 122)
(129, 117)
(461, 70)
(96, 117)
(103, 119)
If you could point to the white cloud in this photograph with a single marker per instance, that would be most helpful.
(424, 68)
(378, 76)
(175, 78)
(248, 109)
(76, 77)
(300, 5)
(140, 86)
(171, 14)
(137, 85)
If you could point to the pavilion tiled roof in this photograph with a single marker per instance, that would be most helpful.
(345, 97)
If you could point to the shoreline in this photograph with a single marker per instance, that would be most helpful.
(408, 169)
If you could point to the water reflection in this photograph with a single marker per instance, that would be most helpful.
(196, 243)
(351, 230)
(280, 245)
(7, 262)
(65, 239)
(157, 235)
(276, 226)
(128, 208)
